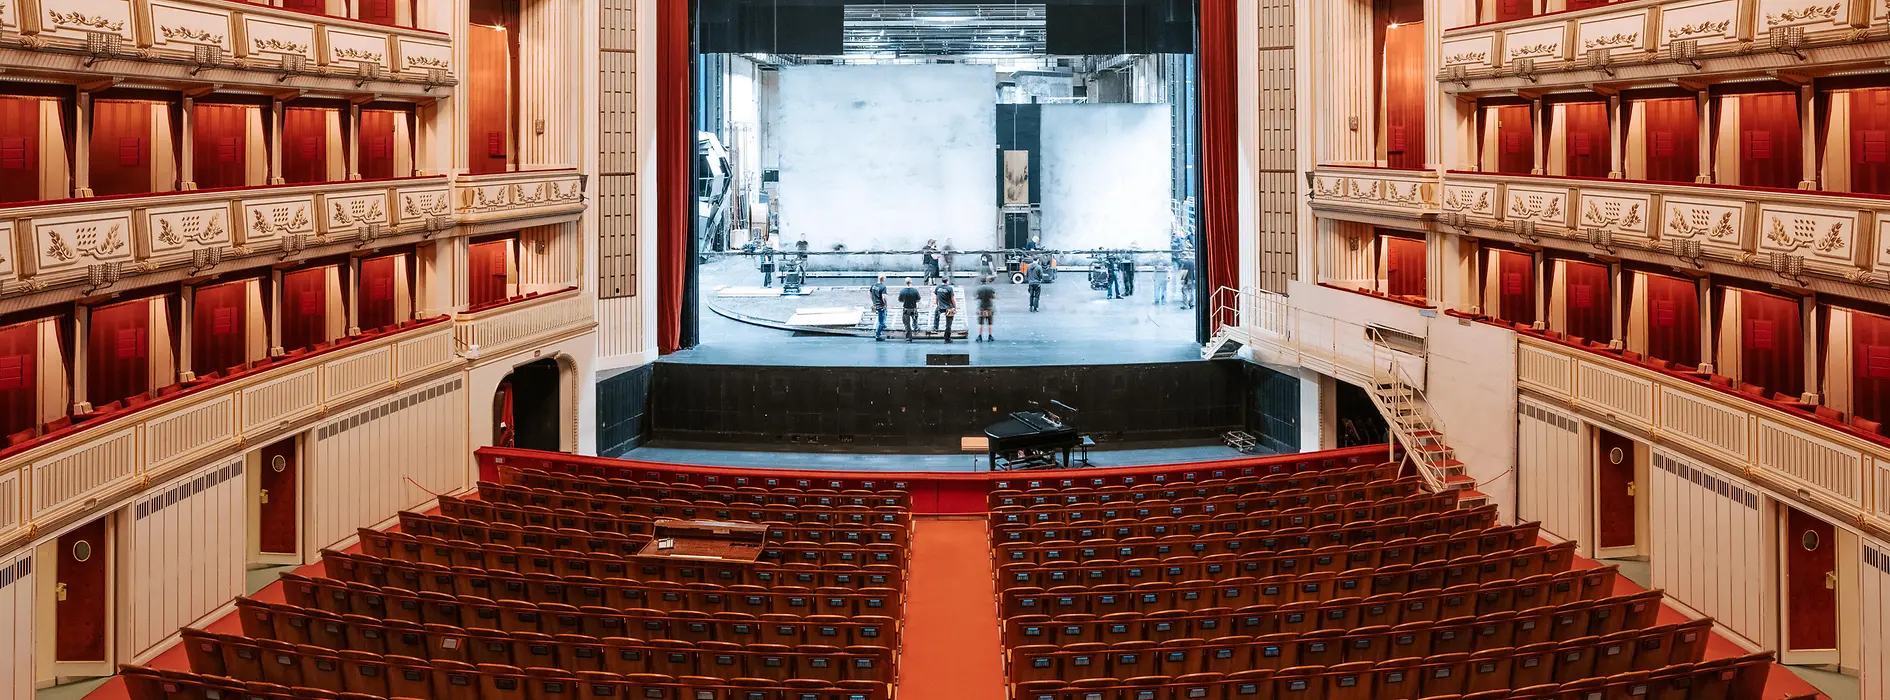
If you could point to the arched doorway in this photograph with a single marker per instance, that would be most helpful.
(528, 407)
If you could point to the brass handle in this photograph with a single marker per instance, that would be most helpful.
(1830, 580)
(265, 495)
(59, 592)
(1630, 488)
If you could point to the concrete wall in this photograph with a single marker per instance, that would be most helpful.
(885, 157)
(1106, 178)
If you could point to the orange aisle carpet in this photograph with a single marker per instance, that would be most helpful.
(949, 647)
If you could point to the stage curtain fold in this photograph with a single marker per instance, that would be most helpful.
(163, 154)
(255, 322)
(1636, 327)
(220, 327)
(1489, 148)
(1726, 148)
(1729, 350)
(19, 396)
(1558, 297)
(256, 154)
(334, 309)
(1492, 284)
(676, 139)
(55, 395)
(1837, 377)
(1835, 174)
(1220, 147)
(163, 369)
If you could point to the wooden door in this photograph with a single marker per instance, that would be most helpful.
(82, 595)
(1515, 140)
(219, 145)
(19, 149)
(1405, 266)
(1811, 596)
(218, 338)
(277, 522)
(491, 99)
(118, 345)
(1587, 151)
(19, 374)
(1772, 350)
(1769, 141)
(1516, 287)
(1870, 141)
(1614, 491)
(1672, 139)
(1506, 10)
(121, 147)
(1588, 297)
(376, 154)
(1405, 84)
(304, 145)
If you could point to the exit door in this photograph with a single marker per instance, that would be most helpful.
(277, 522)
(82, 601)
(1614, 495)
(1811, 595)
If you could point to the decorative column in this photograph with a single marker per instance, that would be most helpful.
(82, 148)
(275, 154)
(1615, 157)
(1539, 113)
(1704, 143)
(187, 162)
(1706, 326)
(1808, 139)
(187, 304)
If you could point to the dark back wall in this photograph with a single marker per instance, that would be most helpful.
(935, 406)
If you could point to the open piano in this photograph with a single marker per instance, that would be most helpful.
(1030, 440)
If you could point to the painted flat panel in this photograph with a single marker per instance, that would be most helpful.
(1102, 180)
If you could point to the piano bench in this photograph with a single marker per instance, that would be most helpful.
(974, 443)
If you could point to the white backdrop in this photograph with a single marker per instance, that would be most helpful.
(888, 156)
(1106, 175)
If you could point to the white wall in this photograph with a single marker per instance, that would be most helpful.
(1874, 575)
(886, 157)
(1552, 473)
(1472, 389)
(1711, 543)
(16, 626)
(357, 469)
(1106, 175)
(184, 555)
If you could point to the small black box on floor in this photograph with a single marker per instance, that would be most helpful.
(947, 358)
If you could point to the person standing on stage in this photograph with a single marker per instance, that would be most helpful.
(1187, 283)
(767, 265)
(909, 303)
(987, 307)
(1112, 271)
(944, 302)
(1164, 275)
(1128, 274)
(928, 256)
(878, 293)
(947, 260)
(1034, 276)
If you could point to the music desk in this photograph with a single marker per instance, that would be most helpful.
(706, 539)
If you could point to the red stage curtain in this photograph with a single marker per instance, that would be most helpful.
(217, 334)
(1769, 137)
(1515, 140)
(218, 137)
(1405, 266)
(1405, 85)
(19, 374)
(1588, 295)
(1220, 148)
(117, 352)
(376, 148)
(121, 147)
(304, 312)
(491, 101)
(304, 145)
(1673, 139)
(1589, 151)
(1870, 366)
(1772, 347)
(1506, 10)
(486, 271)
(676, 139)
(1516, 287)
(377, 292)
(19, 149)
(1870, 141)
(1673, 319)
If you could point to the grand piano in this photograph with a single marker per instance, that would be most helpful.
(1030, 440)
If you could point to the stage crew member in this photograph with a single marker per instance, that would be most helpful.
(909, 301)
(1034, 275)
(767, 265)
(943, 302)
(929, 257)
(878, 292)
(987, 308)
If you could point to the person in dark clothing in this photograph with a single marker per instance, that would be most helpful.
(909, 303)
(987, 308)
(944, 302)
(878, 293)
(1187, 283)
(1034, 276)
(1128, 275)
(928, 256)
(767, 265)
(1112, 271)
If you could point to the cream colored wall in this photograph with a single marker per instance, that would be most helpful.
(1553, 454)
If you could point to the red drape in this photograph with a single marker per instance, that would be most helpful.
(304, 312)
(121, 147)
(19, 149)
(1673, 139)
(491, 99)
(1220, 176)
(486, 270)
(675, 204)
(218, 317)
(1673, 319)
(377, 11)
(1516, 287)
(19, 372)
(1589, 300)
(1769, 140)
(1511, 9)
(1870, 141)
(1870, 366)
(1515, 140)
(376, 296)
(1772, 349)
(315, 6)
(1588, 151)
(375, 157)
(304, 145)
(219, 148)
(1404, 88)
(1404, 266)
(1585, 4)
(117, 352)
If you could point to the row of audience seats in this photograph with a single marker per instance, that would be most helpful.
(1238, 486)
(1493, 566)
(405, 679)
(682, 509)
(474, 548)
(1403, 595)
(1400, 495)
(746, 495)
(504, 518)
(1440, 536)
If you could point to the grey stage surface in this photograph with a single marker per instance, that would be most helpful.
(735, 456)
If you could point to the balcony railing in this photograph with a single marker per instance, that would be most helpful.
(518, 195)
(1651, 38)
(51, 479)
(229, 37)
(1375, 190)
(1831, 467)
(494, 330)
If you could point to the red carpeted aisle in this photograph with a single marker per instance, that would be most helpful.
(949, 647)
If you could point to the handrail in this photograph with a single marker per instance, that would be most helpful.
(1388, 373)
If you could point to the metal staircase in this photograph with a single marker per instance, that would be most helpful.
(1414, 428)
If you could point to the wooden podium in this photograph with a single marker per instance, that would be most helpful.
(706, 539)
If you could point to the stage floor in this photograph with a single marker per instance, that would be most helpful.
(760, 456)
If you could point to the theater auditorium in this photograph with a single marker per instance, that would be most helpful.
(945, 350)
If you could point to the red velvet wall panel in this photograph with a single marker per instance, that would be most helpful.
(117, 352)
(1515, 287)
(375, 154)
(1506, 10)
(1769, 140)
(1589, 151)
(121, 147)
(1870, 141)
(19, 149)
(219, 147)
(1772, 347)
(1515, 140)
(376, 297)
(1870, 366)
(1588, 293)
(304, 312)
(486, 270)
(1673, 319)
(304, 145)
(492, 105)
(1405, 266)
(218, 317)
(1405, 83)
(1673, 139)
(19, 376)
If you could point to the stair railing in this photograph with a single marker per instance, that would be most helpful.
(1407, 410)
